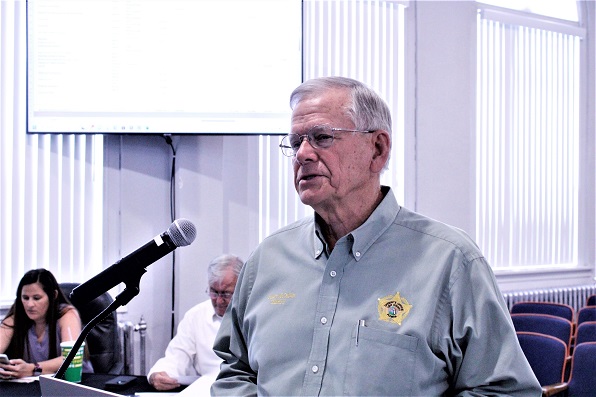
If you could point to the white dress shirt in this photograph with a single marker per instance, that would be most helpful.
(190, 352)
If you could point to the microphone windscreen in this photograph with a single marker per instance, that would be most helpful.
(182, 232)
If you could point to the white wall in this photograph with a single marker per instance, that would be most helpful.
(444, 109)
(215, 189)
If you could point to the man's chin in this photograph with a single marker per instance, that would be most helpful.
(220, 313)
(309, 197)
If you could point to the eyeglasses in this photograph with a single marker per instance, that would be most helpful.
(221, 294)
(319, 137)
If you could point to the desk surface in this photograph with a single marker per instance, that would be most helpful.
(93, 380)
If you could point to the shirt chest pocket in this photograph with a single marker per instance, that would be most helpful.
(380, 363)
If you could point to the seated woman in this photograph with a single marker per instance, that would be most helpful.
(40, 318)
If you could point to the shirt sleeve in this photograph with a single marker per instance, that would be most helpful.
(236, 377)
(180, 353)
(485, 357)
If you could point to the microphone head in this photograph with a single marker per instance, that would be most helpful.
(182, 232)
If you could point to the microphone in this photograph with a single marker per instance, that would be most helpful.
(180, 233)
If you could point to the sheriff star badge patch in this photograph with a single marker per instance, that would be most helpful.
(393, 308)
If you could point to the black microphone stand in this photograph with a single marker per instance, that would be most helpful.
(132, 289)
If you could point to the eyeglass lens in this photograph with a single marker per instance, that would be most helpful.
(320, 137)
(222, 294)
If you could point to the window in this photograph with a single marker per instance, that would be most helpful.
(527, 140)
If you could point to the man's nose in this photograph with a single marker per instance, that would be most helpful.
(306, 149)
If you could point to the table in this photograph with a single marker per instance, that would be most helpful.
(97, 381)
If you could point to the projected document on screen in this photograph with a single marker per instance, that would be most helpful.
(162, 66)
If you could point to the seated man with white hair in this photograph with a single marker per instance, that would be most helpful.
(190, 352)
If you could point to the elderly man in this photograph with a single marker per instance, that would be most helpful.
(190, 352)
(365, 297)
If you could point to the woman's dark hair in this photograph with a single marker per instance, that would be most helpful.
(19, 344)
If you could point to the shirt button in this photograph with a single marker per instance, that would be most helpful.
(323, 320)
(357, 254)
(332, 273)
(315, 369)
(317, 252)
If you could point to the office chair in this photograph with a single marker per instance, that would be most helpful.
(582, 382)
(554, 309)
(544, 324)
(103, 341)
(583, 371)
(547, 356)
(586, 332)
(586, 313)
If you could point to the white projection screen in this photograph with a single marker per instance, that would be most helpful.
(162, 66)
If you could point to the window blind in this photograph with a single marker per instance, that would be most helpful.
(51, 187)
(527, 141)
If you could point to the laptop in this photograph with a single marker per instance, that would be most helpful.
(53, 387)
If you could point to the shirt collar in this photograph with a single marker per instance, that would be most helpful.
(319, 243)
(366, 234)
(214, 317)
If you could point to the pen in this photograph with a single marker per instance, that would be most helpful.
(360, 324)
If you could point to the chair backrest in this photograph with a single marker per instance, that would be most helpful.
(554, 309)
(544, 324)
(546, 355)
(586, 332)
(591, 301)
(103, 341)
(582, 381)
(586, 313)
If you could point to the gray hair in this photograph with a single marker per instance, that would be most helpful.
(219, 265)
(368, 110)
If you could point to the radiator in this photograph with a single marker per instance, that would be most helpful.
(127, 341)
(575, 297)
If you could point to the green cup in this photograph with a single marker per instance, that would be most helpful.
(74, 372)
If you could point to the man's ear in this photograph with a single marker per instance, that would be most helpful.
(382, 149)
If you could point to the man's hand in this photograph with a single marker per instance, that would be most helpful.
(162, 381)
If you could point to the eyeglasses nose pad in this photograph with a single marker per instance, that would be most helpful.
(306, 138)
(302, 138)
